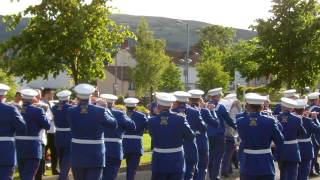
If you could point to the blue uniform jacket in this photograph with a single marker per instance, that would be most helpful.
(36, 120)
(197, 125)
(306, 148)
(315, 137)
(223, 117)
(256, 132)
(87, 122)
(292, 130)
(11, 121)
(114, 149)
(135, 145)
(169, 130)
(59, 111)
(211, 119)
(277, 110)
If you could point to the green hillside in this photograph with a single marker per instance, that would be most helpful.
(174, 33)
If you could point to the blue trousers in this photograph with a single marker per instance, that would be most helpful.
(80, 173)
(6, 172)
(304, 170)
(110, 172)
(202, 164)
(167, 176)
(132, 160)
(288, 170)
(226, 161)
(257, 177)
(190, 170)
(216, 151)
(28, 168)
(315, 164)
(64, 162)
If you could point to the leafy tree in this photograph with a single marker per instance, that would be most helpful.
(151, 61)
(288, 44)
(239, 59)
(71, 36)
(217, 36)
(210, 71)
(171, 79)
(8, 80)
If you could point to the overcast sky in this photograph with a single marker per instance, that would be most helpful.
(233, 13)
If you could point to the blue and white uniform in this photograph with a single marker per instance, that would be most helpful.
(63, 133)
(132, 139)
(288, 155)
(29, 149)
(87, 124)
(257, 132)
(11, 122)
(168, 131)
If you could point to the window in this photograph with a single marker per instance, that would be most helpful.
(131, 86)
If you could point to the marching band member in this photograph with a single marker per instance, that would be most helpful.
(257, 132)
(288, 154)
(11, 122)
(168, 131)
(87, 123)
(113, 138)
(63, 133)
(132, 139)
(209, 117)
(197, 125)
(29, 148)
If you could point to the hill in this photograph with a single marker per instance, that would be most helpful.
(174, 33)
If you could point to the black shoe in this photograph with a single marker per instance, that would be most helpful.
(225, 175)
(313, 174)
(55, 172)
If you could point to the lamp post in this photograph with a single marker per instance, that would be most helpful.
(186, 72)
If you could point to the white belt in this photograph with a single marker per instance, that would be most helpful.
(63, 129)
(132, 137)
(169, 150)
(259, 151)
(28, 138)
(6, 138)
(291, 142)
(116, 140)
(198, 132)
(87, 141)
(304, 140)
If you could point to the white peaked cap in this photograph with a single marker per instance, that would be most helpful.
(110, 98)
(84, 91)
(131, 102)
(215, 92)
(288, 103)
(28, 93)
(182, 96)
(231, 96)
(196, 93)
(300, 104)
(314, 95)
(289, 93)
(64, 95)
(165, 99)
(255, 99)
(3, 89)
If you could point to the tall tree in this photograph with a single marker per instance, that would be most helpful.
(288, 44)
(210, 71)
(217, 36)
(71, 36)
(171, 79)
(151, 60)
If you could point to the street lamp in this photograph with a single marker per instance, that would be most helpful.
(186, 73)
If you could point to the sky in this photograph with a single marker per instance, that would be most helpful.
(231, 13)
